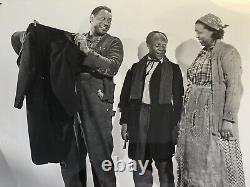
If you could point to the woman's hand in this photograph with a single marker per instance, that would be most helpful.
(124, 132)
(227, 130)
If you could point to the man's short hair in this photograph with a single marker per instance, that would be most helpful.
(99, 8)
(151, 34)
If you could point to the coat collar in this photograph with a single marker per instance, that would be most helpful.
(217, 46)
(146, 57)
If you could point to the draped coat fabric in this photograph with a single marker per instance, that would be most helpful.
(48, 63)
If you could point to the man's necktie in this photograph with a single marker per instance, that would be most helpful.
(150, 65)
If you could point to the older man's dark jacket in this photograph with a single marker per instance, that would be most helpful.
(48, 64)
(166, 91)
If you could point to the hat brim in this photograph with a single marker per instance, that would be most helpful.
(16, 41)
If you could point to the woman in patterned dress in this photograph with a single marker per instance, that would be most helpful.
(208, 152)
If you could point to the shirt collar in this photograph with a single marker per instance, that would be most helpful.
(149, 58)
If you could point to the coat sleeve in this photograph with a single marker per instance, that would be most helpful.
(124, 97)
(109, 64)
(178, 92)
(232, 70)
(27, 71)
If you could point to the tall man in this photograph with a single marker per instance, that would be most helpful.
(150, 104)
(104, 55)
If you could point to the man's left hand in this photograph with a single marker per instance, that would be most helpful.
(82, 41)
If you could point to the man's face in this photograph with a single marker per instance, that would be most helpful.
(157, 46)
(100, 23)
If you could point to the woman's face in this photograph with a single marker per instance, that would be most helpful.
(203, 35)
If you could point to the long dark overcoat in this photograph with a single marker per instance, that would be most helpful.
(161, 134)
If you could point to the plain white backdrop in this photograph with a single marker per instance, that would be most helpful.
(132, 21)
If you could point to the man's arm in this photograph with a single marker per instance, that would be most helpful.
(124, 97)
(107, 65)
(124, 105)
(178, 92)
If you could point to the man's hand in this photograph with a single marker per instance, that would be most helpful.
(124, 132)
(226, 130)
(82, 41)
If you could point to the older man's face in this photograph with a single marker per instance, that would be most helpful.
(101, 22)
(157, 46)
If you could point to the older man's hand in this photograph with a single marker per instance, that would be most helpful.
(124, 132)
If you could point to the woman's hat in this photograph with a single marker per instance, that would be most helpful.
(212, 21)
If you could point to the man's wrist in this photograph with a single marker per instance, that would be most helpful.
(87, 51)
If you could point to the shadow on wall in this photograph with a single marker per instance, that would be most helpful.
(185, 54)
(7, 178)
(142, 50)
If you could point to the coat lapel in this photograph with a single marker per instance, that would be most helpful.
(138, 79)
(165, 94)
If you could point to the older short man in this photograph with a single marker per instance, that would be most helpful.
(150, 104)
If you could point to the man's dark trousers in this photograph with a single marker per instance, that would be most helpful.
(96, 117)
(164, 166)
(165, 173)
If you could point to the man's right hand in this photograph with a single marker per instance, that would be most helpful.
(124, 132)
(82, 41)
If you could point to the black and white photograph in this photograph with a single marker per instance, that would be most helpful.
(124, 93)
